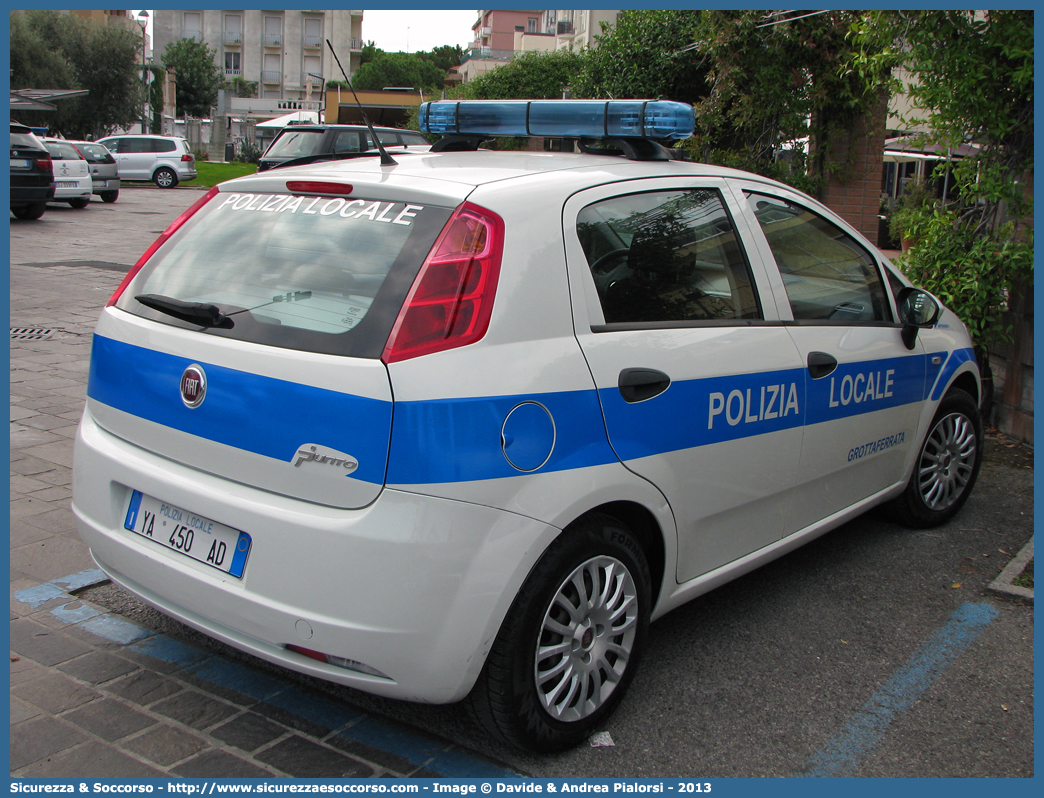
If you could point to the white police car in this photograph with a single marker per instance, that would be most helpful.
(466, 423)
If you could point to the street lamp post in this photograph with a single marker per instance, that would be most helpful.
(143, 20)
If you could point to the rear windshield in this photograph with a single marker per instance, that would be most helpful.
(26, 140)
(318, 274)
(296, 144)
(95, 153)
(60, 151)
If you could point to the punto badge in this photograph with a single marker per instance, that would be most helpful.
(193, 386)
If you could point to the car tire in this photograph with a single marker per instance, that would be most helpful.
(30, 212)
(556, 699)
(108, 196)
(79, 203)
(947, 465)
(165, 178)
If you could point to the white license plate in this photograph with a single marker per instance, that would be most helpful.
(203, 540)
(64, 184)
(19, 163)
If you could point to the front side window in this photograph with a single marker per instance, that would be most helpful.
(670, 256)
(827, 274)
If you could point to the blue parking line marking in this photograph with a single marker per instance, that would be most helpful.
(843, 753)
(437, 757)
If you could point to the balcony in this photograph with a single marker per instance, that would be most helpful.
(254, 106)
(192, 34)
(232, 37)
(487, 54)
(271, 76)
(312, 41)
(356, 44)
(565, 28)
(233, 73)
(272, 39)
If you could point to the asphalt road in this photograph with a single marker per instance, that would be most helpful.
(874, 651)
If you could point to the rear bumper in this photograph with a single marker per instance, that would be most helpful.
(414, 587)
(101, 184)
(29, 195)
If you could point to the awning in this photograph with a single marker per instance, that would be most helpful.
(39, 99)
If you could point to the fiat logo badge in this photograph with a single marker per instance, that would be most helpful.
(193, 386)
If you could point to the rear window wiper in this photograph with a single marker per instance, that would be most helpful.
(201, 313)
(206, 314)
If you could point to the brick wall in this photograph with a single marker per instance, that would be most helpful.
(853, 188)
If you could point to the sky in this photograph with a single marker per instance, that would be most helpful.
(416, 29)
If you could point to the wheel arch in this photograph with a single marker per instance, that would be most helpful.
(966, 382)
(643, 524)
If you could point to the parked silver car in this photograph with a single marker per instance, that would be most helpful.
(165, 160)
(105, 171)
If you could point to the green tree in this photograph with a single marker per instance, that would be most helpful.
(771, 82)
(970, 80)
(398, 69)
(198, 76)
(645, 56)
(528, 76)
(445, 57)
(159, 77)
(60, 51)
(241, 87)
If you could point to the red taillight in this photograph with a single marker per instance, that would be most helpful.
(451, 301)
(195, 206)
(187, 157)
(318, 187)
(45, 163)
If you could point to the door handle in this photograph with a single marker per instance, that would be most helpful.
(637, 385)
(820, 364)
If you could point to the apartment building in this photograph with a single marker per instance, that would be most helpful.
(497, 36)
(284, 52)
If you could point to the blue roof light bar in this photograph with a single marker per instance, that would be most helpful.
(576, 119)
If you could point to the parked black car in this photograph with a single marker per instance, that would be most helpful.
(302, 141)
(32, 175)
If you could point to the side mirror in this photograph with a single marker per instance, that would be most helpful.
(917, 309)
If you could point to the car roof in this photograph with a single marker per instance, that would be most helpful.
(481, 167)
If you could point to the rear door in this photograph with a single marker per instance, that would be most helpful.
(701, 390)
(289, 393)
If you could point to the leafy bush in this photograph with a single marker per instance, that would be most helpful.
(972, 273)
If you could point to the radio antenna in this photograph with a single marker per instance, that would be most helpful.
(386, 159)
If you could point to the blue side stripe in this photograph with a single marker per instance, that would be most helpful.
(459, 440)
(957, 358)
(258, 414)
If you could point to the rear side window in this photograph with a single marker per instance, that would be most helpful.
(669, 256)
(414, 138)
(318, 274)
(163, 145)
